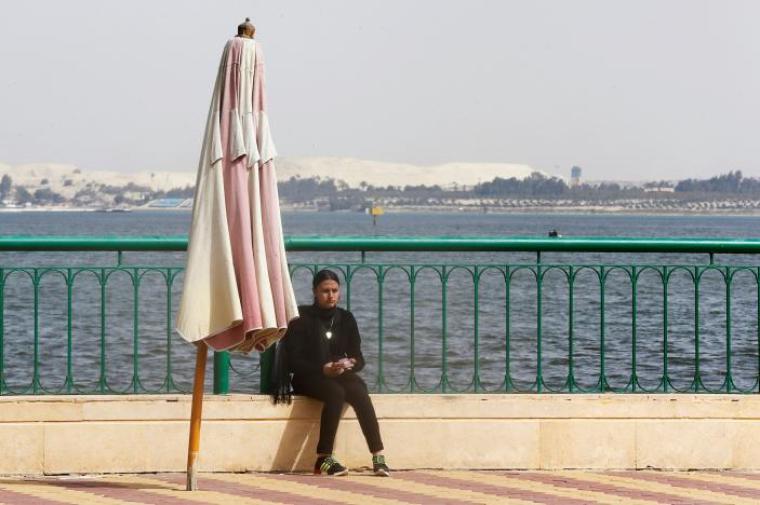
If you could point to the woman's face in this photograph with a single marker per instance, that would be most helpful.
(327, 294)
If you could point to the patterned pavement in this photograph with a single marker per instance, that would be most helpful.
(405, 487)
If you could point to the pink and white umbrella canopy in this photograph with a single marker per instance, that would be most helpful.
(237, 293)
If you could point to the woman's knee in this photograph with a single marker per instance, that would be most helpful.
(357, 393)
(334, 395)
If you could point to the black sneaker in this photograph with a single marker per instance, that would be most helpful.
(379, 466)
(327, 465)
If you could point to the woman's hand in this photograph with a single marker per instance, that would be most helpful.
(332, 369)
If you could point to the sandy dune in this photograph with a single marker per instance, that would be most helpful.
(67, 180)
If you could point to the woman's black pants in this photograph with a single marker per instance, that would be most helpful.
(334, 392)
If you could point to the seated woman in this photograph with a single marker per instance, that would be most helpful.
(322, 349)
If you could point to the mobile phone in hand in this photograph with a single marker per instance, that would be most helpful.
(345, 363)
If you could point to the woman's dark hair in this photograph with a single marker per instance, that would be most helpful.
(324, 275)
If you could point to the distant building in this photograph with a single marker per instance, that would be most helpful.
(575, 176)
(169, 203)
(660, 189)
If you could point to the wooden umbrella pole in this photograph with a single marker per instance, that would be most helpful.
(193, 445)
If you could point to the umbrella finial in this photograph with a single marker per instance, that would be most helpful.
(246, 29)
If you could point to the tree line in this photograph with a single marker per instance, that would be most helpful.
(537, 185)
(336, 194)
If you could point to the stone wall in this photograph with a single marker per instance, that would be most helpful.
(102, 434)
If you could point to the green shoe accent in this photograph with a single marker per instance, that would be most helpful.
(379, 466)
(327, 465)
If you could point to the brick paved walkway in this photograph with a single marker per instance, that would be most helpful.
(412, 487)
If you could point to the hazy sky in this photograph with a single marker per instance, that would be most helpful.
(627, 90)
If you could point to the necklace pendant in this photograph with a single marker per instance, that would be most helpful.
(328, 334)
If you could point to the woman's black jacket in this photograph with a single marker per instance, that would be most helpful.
(304, 349)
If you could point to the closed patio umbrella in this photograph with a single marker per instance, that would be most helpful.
(237, 293)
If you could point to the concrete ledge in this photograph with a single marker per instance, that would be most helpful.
(102, 434)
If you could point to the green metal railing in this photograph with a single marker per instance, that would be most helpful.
(409, 244)
(505, 325)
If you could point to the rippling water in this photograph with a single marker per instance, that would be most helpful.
(151, 336)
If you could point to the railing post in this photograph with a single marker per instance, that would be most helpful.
(602, 335)
(634, 330)
(380, 368)
(476, 329)
(221, 373)
(697, 357)
(69, 382)
(266, 362)
(102, 380)
(665, 377)
(757, 281)
(729, 376)
(539, 317)
(570, 329)
(2, 327)
(444, 330)
(412, 281)
(507, 336)
(169, 374)
(136, 332)
(36, 371)
(347, 279)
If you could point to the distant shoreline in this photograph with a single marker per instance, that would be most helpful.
(588, 211)
(579, 210)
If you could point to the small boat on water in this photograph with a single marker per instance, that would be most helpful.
(114, 209)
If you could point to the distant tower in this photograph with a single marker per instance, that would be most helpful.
(575, 176)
